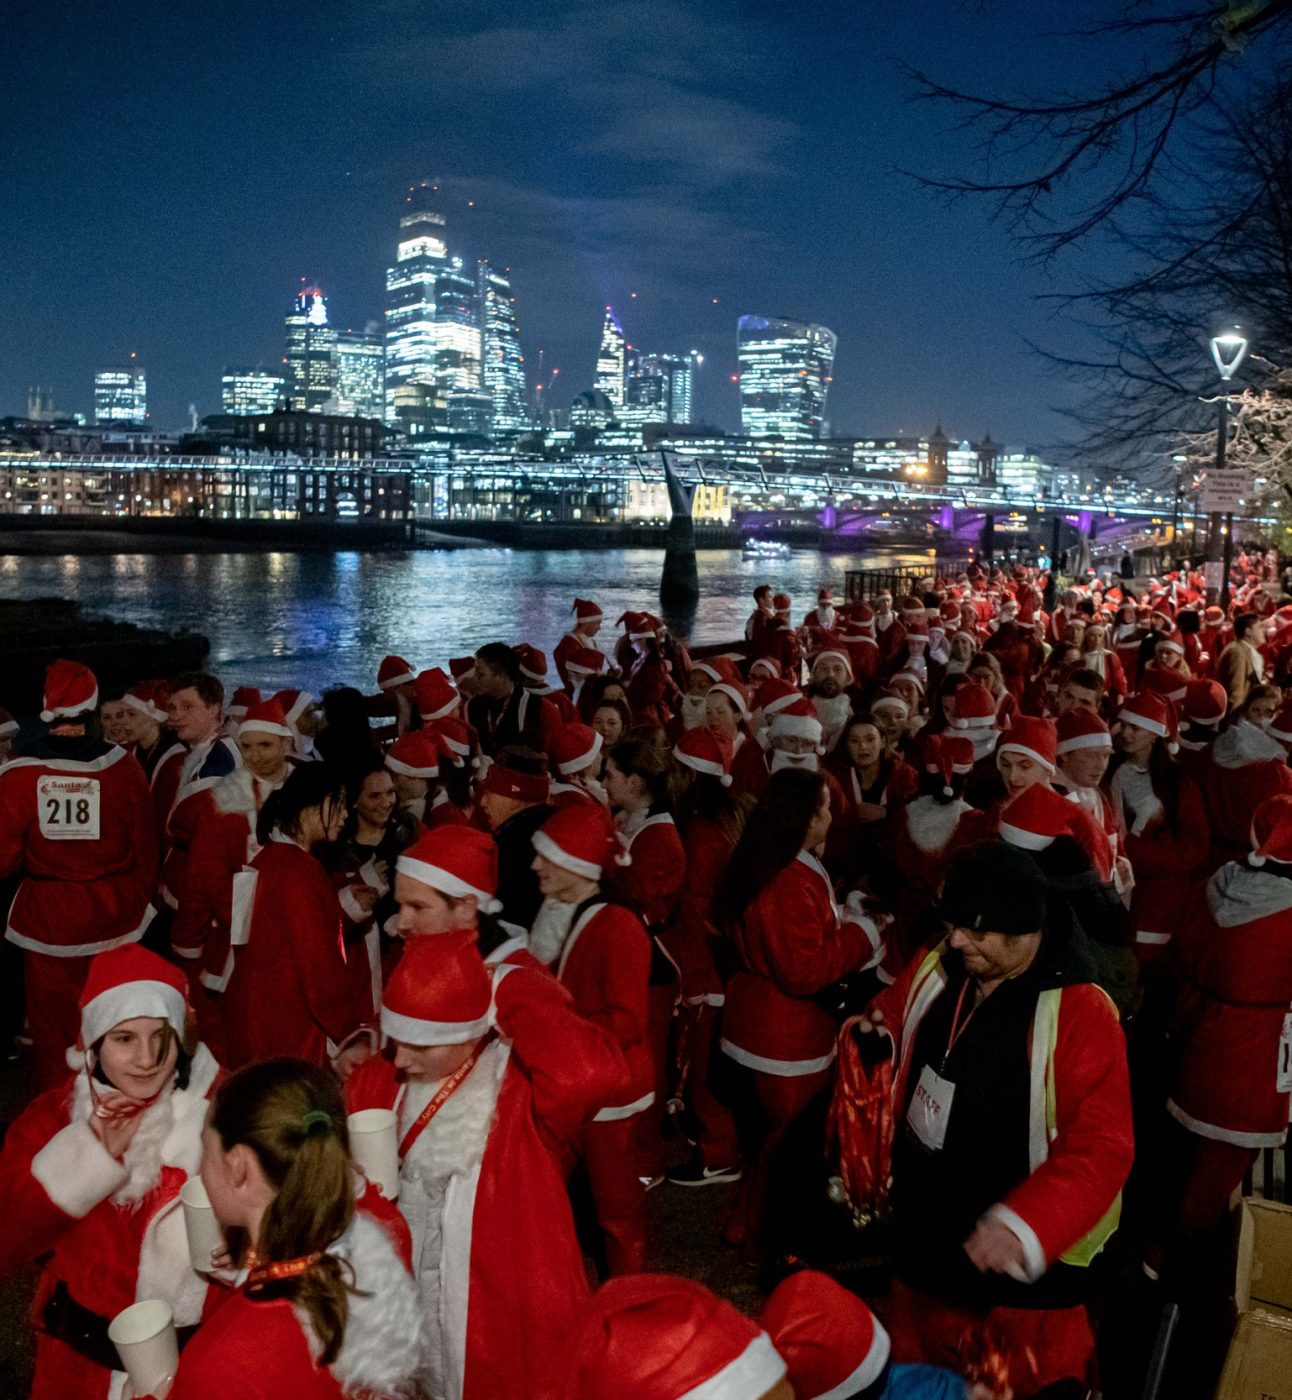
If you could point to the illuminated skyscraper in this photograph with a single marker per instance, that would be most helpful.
(657, 389)
(784, 375)
(503, 364)
(311, 351)
(412, 396)
(610, 360)
(457, 331)
(249, 391)
(121, 394)
(360, 375)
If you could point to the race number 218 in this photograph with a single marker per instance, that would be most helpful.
(68, 808)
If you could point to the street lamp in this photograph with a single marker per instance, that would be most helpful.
(1228, 349)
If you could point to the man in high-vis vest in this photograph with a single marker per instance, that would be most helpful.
(1012, 1133)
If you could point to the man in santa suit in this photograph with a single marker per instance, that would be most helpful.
(858, 637)
(821, 619)
(559, 708)
(1084, 750)
(781, 641)
(150, 739)
(601, 952)
(501, 711)
(828, 692)
(1240, 770)
(1214, 635)
(515, 800)
(492, 1076)
(793, 741)
(395, 699)
(77, 827)
(301, 711)
(1000, 1035)
(580, 637)
(757, 621)
(1015, 646)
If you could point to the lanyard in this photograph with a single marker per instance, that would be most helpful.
(441, 1097)
(957, 1030)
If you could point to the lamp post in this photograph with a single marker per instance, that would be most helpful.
(1228, 350)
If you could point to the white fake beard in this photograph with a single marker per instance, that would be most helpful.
(693, 708)
(781, 759)
(825, 618)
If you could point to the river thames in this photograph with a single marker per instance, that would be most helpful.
(314, 620)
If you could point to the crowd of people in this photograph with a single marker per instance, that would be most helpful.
(947, 920)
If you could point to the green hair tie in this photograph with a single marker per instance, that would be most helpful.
(316, 1118)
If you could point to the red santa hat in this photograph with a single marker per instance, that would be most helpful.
(780, 602)
(1036, 817)
(533, 667)
(581, 839)
(574, 746)
(949, 610)
(886, 700)
(434, 694)
(736, 693)
(454, 737)
(439, 993)
(1280, 726)
(974, 707)
(1153, 712)
(1081, 729)
(151, 698)
(587, 661)
(1272, 831)
(719, 668)
(585, 610)
(127, 982)
(638, 625)
(833, 649)
(776, 695)
(912, 610)
(8, 725)
(1170, 684)
(796, 721)
(660, 1337)
(1213, 616)
(908, 678)
(768, 664)
(393, 671)
(507, 778)
(294, 703)
(705, 752)
(947, 755)
(1031, 737)
(831, 1342)
(917, 630)
(265, 718)
(1173, 641)
(415, 755)
(458, 861)
(460, 666)
(70, 690)
(1205, 703)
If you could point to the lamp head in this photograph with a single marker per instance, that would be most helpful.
(1228, 349)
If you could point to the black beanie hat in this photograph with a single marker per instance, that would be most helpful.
(993, 887)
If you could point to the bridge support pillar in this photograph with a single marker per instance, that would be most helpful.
(679, 585)
(988, 550)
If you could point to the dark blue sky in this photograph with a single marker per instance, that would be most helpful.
(171, 170)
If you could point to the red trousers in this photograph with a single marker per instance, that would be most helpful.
(53, 987)
(612, 1156)
(1038, 1346)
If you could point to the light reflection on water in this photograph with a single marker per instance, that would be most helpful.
(314, 620)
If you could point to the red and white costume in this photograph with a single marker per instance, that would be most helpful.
(1240, 770)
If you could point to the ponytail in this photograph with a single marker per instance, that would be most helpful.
(292, 1116)
(308, 785)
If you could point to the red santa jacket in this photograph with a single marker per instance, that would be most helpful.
(288, 992)
(181, 765)
(565, 651)
(511, 1277)
(792, 942)
(81, 832)
(109, 1232)
(652, 692)
(1165, 863)
(652, 880)
(1241, 769)
(691, 932)
(260, 1349)
(1234, 958)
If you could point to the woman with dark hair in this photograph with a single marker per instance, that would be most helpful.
(596, 691)
(790, 942)
(327, 1307)
(288, 991)
(612, 719)
(91, 1170)
(875, 784)
(346, 736)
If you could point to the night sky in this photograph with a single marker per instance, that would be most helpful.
(171, 171)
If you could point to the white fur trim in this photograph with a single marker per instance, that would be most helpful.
(1034, 1264)
(1012, 746)
(754, 1372)
(70, 711)
(1024, 840)
(1143, 935)
(627, 1110)
(128, 1000)
(575, 764)
(77, 1171)
(1216, 1133)
(392, 681)
(703, 765)
(796, 727)
(412, 1030)
(832, 654)
(891, 702)
(548, 848)
(408, 770)
(447, 883)
(264, 726)
(785, 1069)
(867, 1372)
(354, 911)
(79, 950)
(145, 707)
(1085, 741)
(732, 694)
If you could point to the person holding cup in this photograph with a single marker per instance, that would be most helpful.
(91, 1172)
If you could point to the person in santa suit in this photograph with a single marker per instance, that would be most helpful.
(1000, 1036)
(781, 639)
(325, 1306)
(146, 712)
(726, 713)
(453, 802)
(301, 710)
(1015, 647)
(91, 1173)
(1201, 715)
(1239, 771)
(790, 941)
(857, 634)
(828, 691)
(287, 990)
(559, 708)
(501, 711)
(395, 699)
(601, 953)
(1099, 657)
(9, 728)
(413, 762)
(1229, 1098)
(876, 785)
(243, 698)
(820, 621)
(793, 741)
(703, 676)
(658, 1337)
(77, 829)
(1214, 635)
(579, 639)
(757, 620)
(515, 800)
(492, 1075)
(1126, 636)
(652, 692)
(1160, 809)
(1084, 749)
(576, 755)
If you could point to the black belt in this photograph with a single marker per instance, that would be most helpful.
(85, 1331)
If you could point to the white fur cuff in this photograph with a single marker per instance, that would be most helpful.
(77, 1171)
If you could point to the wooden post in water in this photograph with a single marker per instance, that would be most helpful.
(679, 585)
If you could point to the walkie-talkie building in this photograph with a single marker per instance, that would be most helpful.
(785, 369)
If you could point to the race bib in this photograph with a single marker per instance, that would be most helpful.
(67, 808)
(1283, 1083)
(930, 1109)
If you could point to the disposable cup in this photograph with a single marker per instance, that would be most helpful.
(200, 1225)
(144, 1336)
(374, 1145)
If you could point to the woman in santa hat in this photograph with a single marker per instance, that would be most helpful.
(601, 953)
(325, 1306)
(876, 783)
(726, 712)
(1099, 657)
(1161, 811)
(576, 758)
(791, 941)
(91, 1172)
(288, 991)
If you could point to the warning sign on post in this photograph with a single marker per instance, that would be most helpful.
(1226, 493)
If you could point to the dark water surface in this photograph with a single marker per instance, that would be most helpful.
(313, 620)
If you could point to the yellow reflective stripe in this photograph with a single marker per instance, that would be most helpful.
(926, 986)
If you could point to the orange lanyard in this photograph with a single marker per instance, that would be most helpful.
(441, 1097)
(957, 1030)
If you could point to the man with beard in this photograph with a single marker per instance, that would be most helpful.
(827, 689)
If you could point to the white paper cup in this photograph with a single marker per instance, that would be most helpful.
(200, 1225)
(144, 1336)
(374, 1145)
